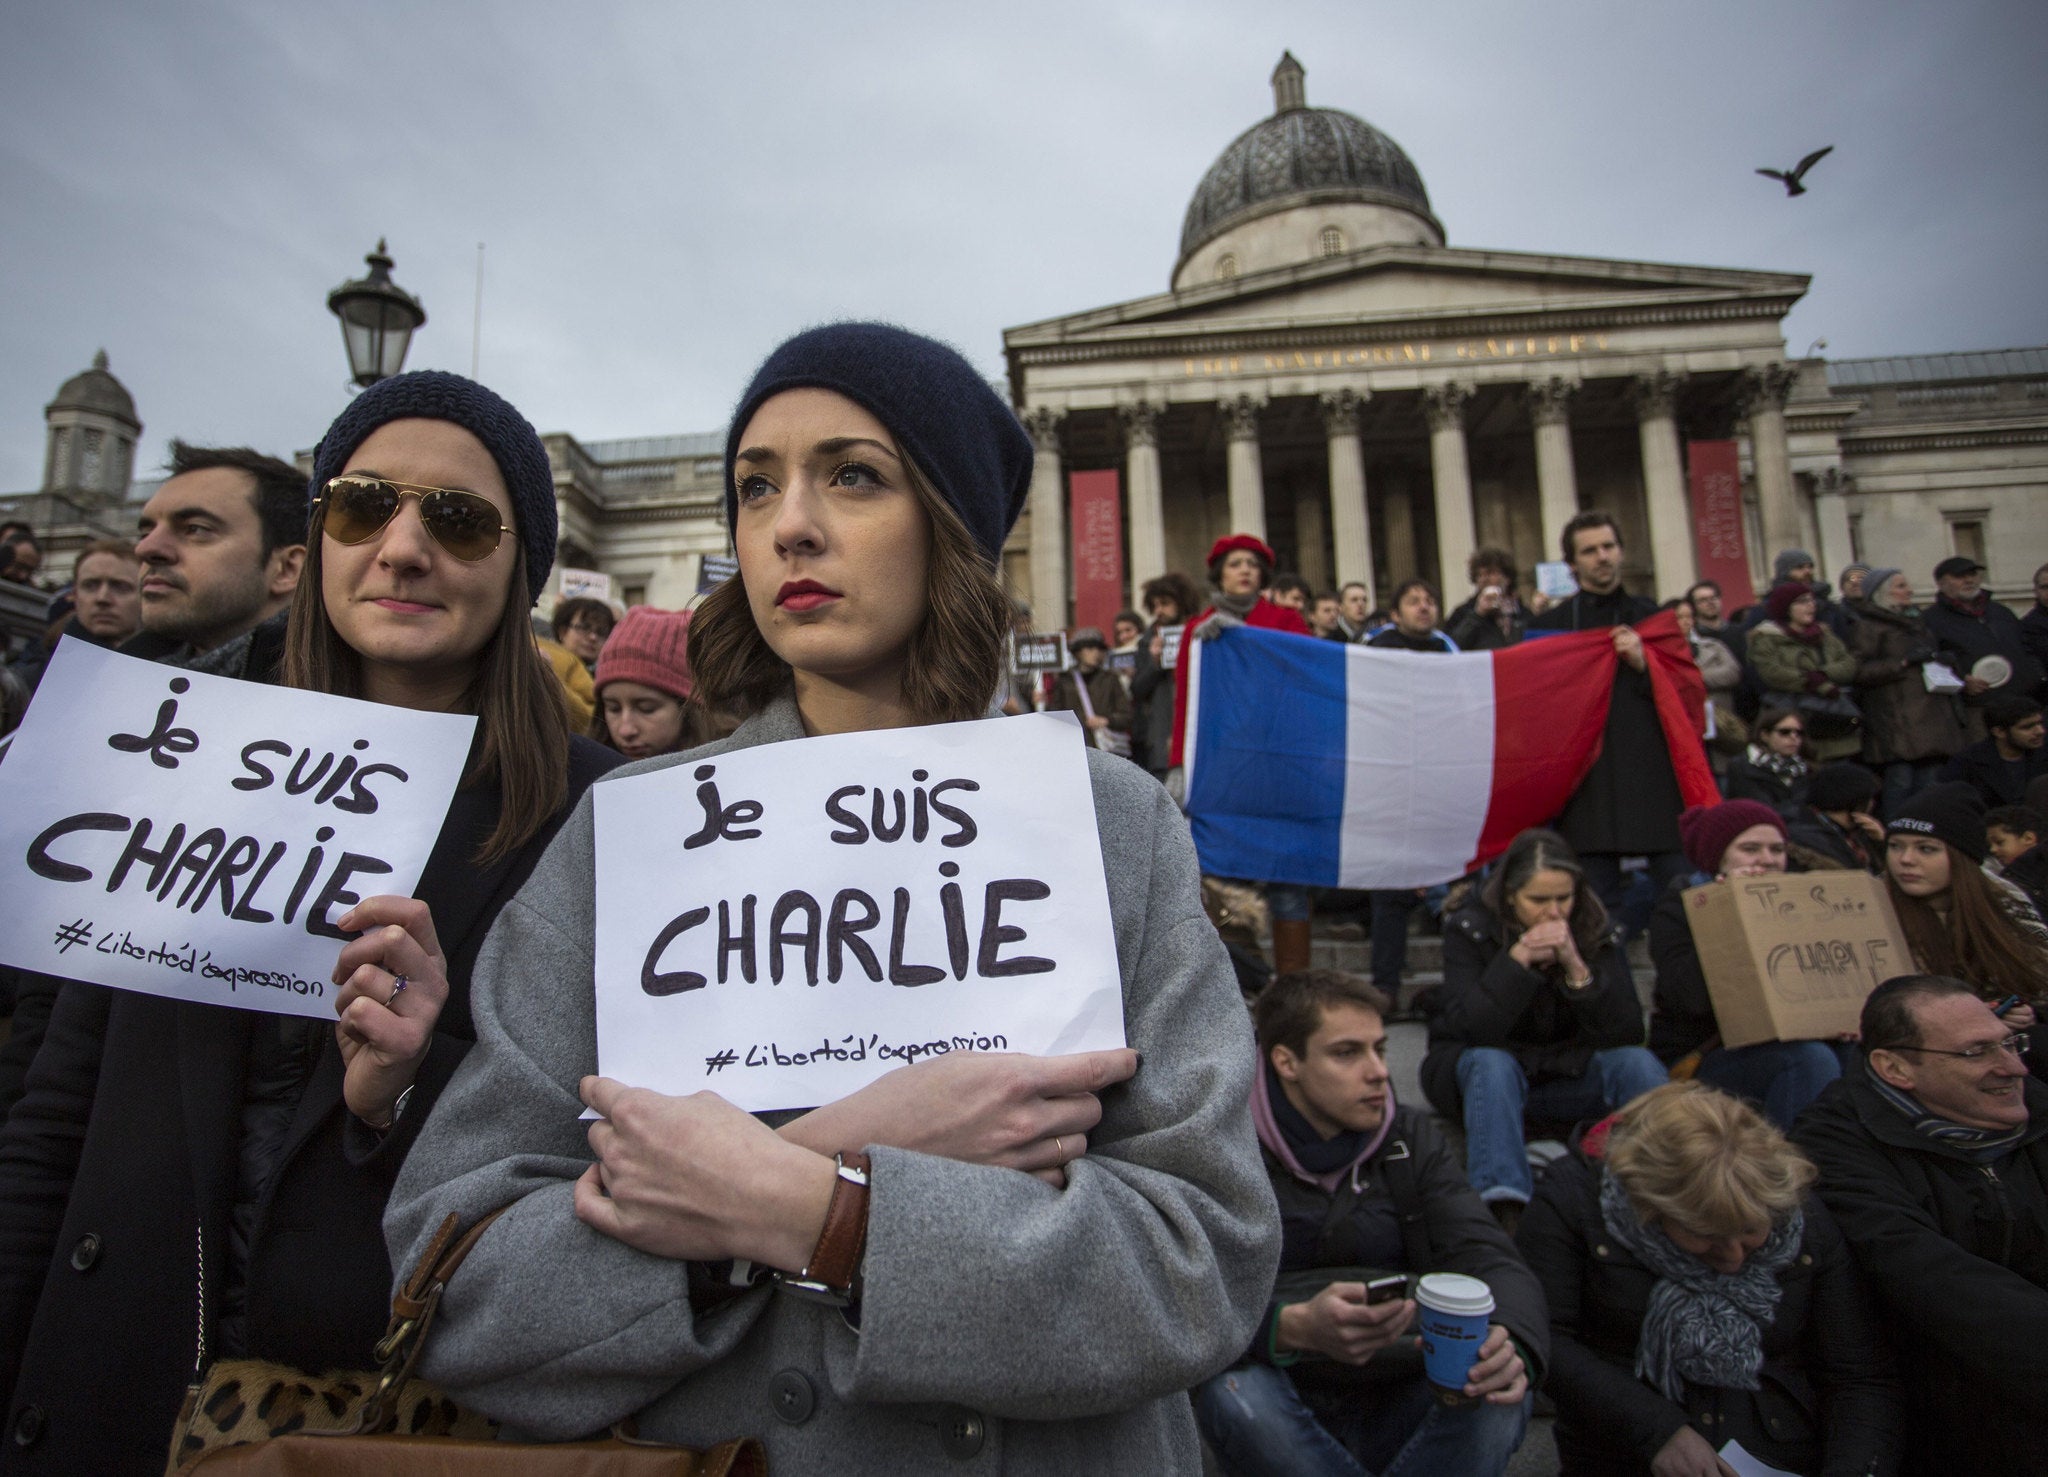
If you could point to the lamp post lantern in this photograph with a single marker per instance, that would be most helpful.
(377, 320)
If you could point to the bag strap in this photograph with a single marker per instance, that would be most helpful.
(1406, 1193)
(1081, 686)
(413, 1308)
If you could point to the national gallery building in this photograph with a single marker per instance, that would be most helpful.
(1326, 371)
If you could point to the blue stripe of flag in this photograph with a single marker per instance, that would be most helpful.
(1267, 798)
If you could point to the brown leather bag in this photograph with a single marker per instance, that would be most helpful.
(251, 1419)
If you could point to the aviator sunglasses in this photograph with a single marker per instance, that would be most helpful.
(359, 505)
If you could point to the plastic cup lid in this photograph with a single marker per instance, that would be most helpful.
(1993, 669)
(1454, 1293)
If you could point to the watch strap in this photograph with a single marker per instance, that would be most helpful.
(835, 1261)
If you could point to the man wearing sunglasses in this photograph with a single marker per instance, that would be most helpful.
(221, 544)
(1933, 1156)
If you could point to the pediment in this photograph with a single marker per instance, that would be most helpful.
(1403, 285)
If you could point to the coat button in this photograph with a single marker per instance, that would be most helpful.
(792, 1396)
(962, 1433)
(28, 1425)
(1600, 1250)
(85, 1253)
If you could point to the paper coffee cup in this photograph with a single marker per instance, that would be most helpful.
(1452, 1312)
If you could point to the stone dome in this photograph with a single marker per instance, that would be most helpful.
(1301, 156)
(97, 390)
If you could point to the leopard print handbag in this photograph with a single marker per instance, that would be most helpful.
(250, 1418)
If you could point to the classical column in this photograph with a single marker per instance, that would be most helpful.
(1311, 532)
(1048, 521)
(1557, 480)
(1671, 551)
(1397, 521)
(1831, 517)
(1144, 506)
(1764, 392)
(1445, 406)
(1350, 528)
(1247, 480)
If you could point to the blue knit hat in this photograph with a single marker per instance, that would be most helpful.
(943, 414)
(436, 395)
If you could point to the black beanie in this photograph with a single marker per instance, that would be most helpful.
(436, 395)
(1836, 787)
(1952, 812)
(959, 433)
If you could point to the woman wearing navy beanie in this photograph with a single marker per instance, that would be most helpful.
(1055, 1248)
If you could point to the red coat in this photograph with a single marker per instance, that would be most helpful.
(1265, 615)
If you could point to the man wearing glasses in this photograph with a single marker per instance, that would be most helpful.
(1933, 1156)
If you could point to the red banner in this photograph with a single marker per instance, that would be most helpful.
(1097, 499)
(1715, 478)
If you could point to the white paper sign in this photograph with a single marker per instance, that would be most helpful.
(195, 837)
(784, 924)
(1554, 579)
(585, 584)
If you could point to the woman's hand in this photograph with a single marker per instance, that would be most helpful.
(1687, 1454)
(1031, 1113)
(1096, 722)
(384, 1030)
(1869, 825)
(2020, 1017)
(1542, 944)
(1498, 1373)
(696, 1179)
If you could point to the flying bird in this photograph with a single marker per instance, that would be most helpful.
(1792, 179)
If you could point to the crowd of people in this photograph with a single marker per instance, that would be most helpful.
(1833, 1253)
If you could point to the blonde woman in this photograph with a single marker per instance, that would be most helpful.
(1700, 1294)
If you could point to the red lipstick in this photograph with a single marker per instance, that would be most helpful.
(803, 595)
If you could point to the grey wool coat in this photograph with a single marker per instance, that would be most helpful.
(1005, 1326)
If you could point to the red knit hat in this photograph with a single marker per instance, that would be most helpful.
(1251, 543)
(1779, 601)
(1705, 831)
(650, 647)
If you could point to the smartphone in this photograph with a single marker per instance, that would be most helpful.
(1385, 1289)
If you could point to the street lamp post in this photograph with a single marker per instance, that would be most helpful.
(377, 320)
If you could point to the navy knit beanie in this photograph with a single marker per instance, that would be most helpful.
(958, 432)
(1951, 812)
(436, 395)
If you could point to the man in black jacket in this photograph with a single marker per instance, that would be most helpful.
(1628, 803)
(1933, 1158)
(2002, 766)
(1968, 625)
(1333, 1380)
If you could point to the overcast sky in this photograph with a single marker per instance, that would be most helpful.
(666, 191)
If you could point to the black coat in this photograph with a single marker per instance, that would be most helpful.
(1152, 710)
(1827, 1399)
(1991, 776)
(1815, 843)
(120, 1173)
(1957, 1256)
(1475, 632)
(2034, 634)
(1964, 638)
(1628, 803)
(1490, 1000)
(1414, 1173)
(1681, 1011)
(1748, 780)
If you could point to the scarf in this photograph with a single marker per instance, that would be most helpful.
(1814, 635)
(1701, 1327)
(1293, 1140)
(1238, 605)
(1974, 607)
(1974, 1145)
(1789, 768)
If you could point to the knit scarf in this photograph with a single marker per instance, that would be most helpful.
(1814, 635)
(1788, 767)
(1293, 1140)
(1238, 605)
(1975, 1145)
(1701, 1327)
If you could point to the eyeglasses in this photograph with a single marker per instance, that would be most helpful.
(2015, 1044)
(464, 523)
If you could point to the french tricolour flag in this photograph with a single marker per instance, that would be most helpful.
(1349, 766)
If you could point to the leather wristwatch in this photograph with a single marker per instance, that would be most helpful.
(834, 1268)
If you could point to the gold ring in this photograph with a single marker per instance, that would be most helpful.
(1059, 1146)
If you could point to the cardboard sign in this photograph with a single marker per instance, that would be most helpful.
(586, 584)
(1790, 957)
(1046, 653)
(714, 570)
(195, 837)
(782, 925)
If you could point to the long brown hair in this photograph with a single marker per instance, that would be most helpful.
(955, 660)
(1977, 942)
(522, 719)
(1537, 850)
